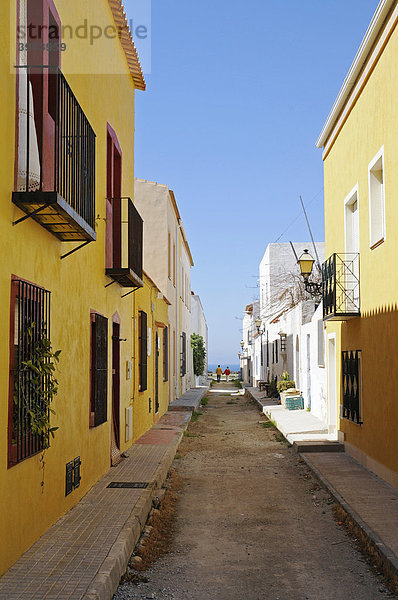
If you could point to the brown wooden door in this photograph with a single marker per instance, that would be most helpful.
(115, 435)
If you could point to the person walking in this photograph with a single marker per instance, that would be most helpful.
(218, 373)
(227, 373)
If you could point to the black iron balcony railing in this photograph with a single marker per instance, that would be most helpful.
(340, 287)
(127, 240)
(56, 156)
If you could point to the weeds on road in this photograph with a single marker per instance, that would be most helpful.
(195, 416)
(267, 425)
(157, 543)
(367, 549)
(188, 434)
(237, 383)
(205, 401)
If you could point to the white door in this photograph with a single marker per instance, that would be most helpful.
(332, 389)
(309, 370)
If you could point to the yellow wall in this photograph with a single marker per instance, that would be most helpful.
(147, 300)
(77, 284)
(372, 123)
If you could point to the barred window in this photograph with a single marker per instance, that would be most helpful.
(30, 328)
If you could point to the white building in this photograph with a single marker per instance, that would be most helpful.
(168, 261)
(291, 335)
(247, 357)
(199, 326)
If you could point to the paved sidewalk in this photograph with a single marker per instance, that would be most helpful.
(370, 502)
(295, 425)
(85, 553)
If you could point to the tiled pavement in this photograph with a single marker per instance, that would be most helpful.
(84, 554)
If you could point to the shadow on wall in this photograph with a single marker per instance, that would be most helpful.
(375, 335)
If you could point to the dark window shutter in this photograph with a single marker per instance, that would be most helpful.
(183, 353)
(143, 365)
(135, 240)
(100, 370)
(69, 478)
(166, 354)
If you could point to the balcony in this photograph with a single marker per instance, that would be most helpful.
(340, 287)
(127, 244)
(56, 156)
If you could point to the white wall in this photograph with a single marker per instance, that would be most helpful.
(199, 326)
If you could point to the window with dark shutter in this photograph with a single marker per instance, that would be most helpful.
(166, 354)
(99, 370)
(135, 240)
(276, 351)
(183, 354)
(143, 344)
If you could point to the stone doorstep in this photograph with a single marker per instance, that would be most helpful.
(317, 446)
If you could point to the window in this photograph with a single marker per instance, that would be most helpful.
(166, 354)
(124, 225)
(377, 222)
(30, 326)
(174, 265)
(351, 373)
(113, 192)
(321, 344)
(143, 351)
(99, 370)
(183, 354)
(169, 255)
(276, 351)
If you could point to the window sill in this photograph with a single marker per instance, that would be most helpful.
(378, 243)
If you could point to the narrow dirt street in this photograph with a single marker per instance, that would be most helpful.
(252, 523)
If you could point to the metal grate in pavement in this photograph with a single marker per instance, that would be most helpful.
(141, 485)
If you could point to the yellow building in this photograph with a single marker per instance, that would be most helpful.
(151, 358)
(360, 281)
(168, 260)
(71, 247)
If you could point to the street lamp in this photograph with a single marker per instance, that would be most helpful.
(306, 262)
(242, 344)
(258, 324)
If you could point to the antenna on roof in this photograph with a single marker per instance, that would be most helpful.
(294, 251)
(312, 239)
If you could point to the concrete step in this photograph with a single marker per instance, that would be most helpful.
(318, 446)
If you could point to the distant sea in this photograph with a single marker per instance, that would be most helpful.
(232, 367)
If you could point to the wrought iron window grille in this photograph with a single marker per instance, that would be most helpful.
(31, 326)
(340, 287)
(351, 374)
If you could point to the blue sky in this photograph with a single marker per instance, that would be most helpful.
(237, 95)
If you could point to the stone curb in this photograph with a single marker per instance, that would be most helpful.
(107, 579)
(189, 407)
(387, 556)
